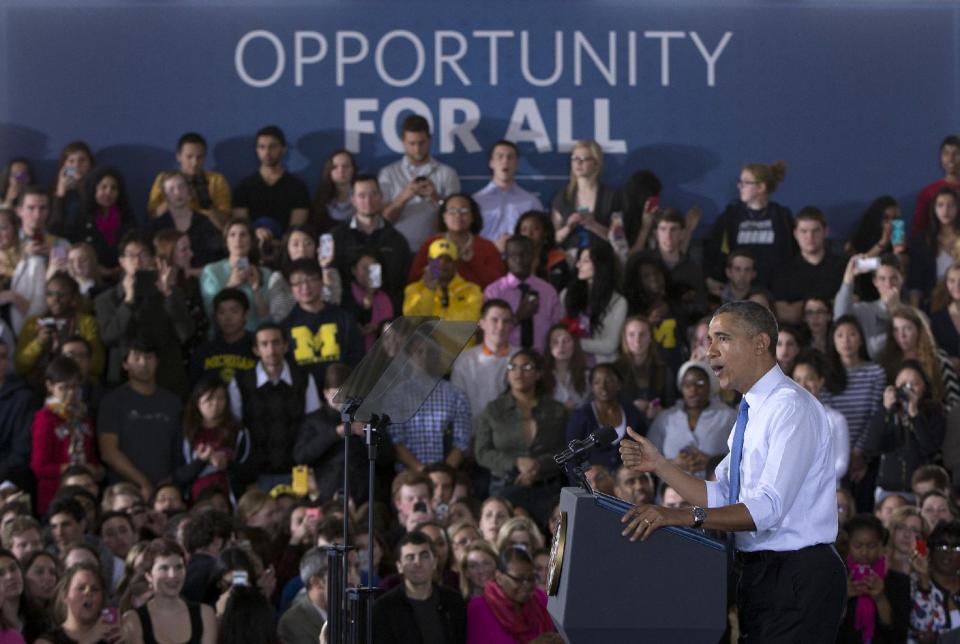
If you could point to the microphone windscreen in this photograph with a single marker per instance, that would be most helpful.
(605, 435)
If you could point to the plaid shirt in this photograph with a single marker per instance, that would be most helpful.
(423, 434)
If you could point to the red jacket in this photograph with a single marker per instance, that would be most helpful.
(51, 451)
(484, 267)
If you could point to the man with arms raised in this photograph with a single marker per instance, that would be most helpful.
(775, 489)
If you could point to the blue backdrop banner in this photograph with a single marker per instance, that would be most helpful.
(854, 97)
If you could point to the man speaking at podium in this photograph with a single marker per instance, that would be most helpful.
(775, 490)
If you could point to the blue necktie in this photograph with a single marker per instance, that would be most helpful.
(736, 452)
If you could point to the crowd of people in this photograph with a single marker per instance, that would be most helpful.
(172, 454)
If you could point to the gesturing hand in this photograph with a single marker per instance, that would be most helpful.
(639, 453)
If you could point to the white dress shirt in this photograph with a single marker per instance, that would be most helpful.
(311, 397)
(787, 474)
(841, 440)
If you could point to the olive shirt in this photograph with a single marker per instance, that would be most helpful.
(499, 440)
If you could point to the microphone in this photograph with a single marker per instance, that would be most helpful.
(599, 438)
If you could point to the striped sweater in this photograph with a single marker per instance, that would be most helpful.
(858, 402)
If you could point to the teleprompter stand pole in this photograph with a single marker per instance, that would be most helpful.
(360, 600)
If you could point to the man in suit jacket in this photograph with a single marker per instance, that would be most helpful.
(419, 610)
(301, 624)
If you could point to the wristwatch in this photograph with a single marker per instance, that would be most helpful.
(699, 516)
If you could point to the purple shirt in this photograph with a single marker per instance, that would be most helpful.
(508, 288)
(483, 627)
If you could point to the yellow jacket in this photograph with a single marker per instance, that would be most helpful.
(465, 300)
(217, 186)
(29, 350)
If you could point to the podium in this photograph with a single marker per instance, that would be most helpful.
(670, 588)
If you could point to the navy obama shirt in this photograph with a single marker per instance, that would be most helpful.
(318, 339)
(767, 234)
(276, 201)
(798, 279)
(223, 358)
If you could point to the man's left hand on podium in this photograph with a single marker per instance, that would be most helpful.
(644, 520)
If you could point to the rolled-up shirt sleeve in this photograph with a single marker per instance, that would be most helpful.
(790, 455)
(718, 490)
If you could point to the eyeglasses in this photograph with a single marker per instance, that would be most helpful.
(457, 211)
(582, 159)
(694, 383)
(531, 580)
(955, 549)
(307, 280)
(527, 366)
(480, 565)
(905, 528)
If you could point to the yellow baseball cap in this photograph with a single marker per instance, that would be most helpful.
(443, 247)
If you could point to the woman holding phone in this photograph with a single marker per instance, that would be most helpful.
(79, 609)
(76, 160)
(582, 212)
(879, 231)
(365, 297)
(647, 380)
(13, 179)
(300, 242)
(240, 270)
(174, 254)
